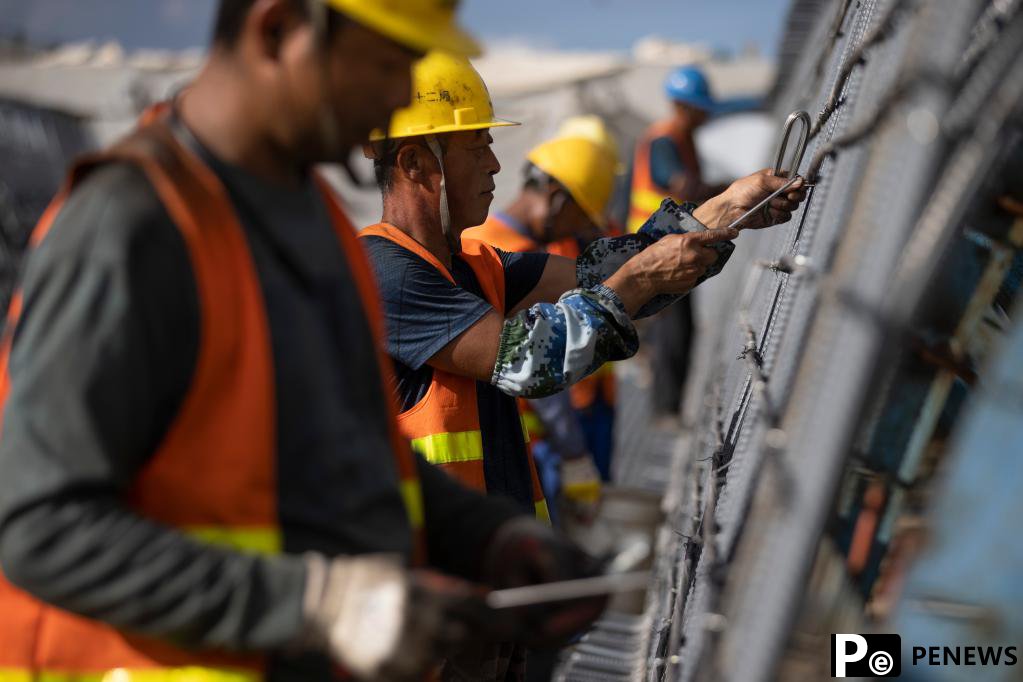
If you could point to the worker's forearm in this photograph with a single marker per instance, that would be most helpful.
(559, 276)
(604, 261)
(549, 347)
(712, 213)
(91, 556)
(632, 288)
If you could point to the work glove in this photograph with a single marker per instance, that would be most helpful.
(525, 552)
(581, 487)
(380, 621)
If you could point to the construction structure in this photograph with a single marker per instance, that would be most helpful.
(860, 390)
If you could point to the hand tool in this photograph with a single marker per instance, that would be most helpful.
(779, 170)
(565, 590)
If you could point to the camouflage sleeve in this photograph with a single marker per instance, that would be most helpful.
(604, 256)
(550, 346)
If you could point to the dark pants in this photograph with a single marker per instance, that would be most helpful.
(670, 336)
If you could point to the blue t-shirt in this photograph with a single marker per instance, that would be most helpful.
(665, 161)
(423, 312)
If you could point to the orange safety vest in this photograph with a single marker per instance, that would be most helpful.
(646, 194)
(213, 476)
(445, 424)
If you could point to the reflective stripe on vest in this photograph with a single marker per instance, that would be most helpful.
(448, 448)
(444, 425)
(254, 540)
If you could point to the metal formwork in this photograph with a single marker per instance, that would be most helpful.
(850, 335)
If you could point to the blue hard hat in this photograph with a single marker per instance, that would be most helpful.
(688, 84)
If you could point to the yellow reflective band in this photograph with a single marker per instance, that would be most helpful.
(448, 448)
(184, 674)
(257, 540)
(412, 494)
(542, 513)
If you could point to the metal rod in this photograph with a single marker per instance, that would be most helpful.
(568, 589)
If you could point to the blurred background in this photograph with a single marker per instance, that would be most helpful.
(850, 450)
(75, 75)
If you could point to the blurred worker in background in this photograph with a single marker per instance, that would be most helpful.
(471, 327)
(201, 478)
(567, 182)
(666, 164)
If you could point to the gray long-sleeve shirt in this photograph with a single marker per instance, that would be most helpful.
(102, 358)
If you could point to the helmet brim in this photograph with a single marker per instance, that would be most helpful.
(377, 135)
(417, 35)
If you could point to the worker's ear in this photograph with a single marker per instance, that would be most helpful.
(268, 24)
(556, 199)
(415, 162)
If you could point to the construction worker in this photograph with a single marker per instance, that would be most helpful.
(666, 163)
(566, 186)
(200, 475)
(470, 328)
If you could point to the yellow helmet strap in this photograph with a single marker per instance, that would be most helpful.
(454, 243)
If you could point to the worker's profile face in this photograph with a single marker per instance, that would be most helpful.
(470, 166)
(335, 99)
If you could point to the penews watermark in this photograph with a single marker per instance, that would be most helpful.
(866, 655)
(880, 655)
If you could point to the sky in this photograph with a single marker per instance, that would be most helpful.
(566, 24)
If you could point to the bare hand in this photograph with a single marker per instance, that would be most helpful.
(747, 192)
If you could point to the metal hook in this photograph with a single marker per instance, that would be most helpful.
(804, 138)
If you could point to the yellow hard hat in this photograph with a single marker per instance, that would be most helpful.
(592, 127)
(422, 25)
(585, 168)
(448, 95)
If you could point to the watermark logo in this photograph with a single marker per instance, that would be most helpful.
(866, 655)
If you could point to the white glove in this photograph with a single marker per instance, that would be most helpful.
(382, 622)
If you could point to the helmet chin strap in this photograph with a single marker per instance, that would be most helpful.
(454, 243)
